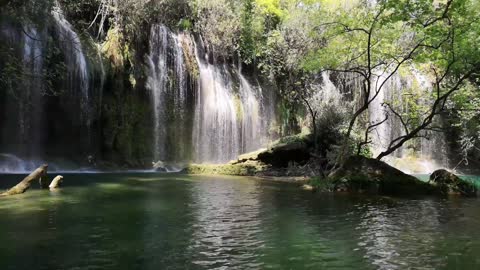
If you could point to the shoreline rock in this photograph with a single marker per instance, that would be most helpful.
(365, 175)
(451, 184)
(249, 168)
(289, 158)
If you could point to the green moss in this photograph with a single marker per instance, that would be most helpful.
(244, 169)
(360, 174)
(297, 138)
(321, 184)
(114, 49)
(238, 107)
(185, 25)
(190, 59)
(127, 133)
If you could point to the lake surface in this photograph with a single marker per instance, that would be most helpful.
(149, 221)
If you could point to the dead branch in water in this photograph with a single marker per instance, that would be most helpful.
(24, 185)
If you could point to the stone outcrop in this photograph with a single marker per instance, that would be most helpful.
(288, 150)
(281, 153)
(450, 184)
(248, 168)
(366, 175)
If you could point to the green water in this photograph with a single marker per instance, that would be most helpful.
(146, 221)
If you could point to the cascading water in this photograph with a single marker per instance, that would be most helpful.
(216, 136)
(32, 135)
(423, 155)
(32, 116)
(328, 96)
(168, 84)
(157, 83)
(218, 109)
(254, 133)
(27, 104)
(229, 119)
(76, 63)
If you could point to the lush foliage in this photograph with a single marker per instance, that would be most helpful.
(291, 42)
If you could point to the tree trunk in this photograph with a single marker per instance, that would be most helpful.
(23, 186)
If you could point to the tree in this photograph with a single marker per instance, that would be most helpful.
(375, 41)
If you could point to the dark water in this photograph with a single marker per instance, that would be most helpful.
(144, 221)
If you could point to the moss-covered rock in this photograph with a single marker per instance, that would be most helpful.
(281, 153)
(366, 175)
(113, 48)
(450, 184)
(250, 168)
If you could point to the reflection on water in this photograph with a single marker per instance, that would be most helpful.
(227, 225)
(146, 221)
(386, 230)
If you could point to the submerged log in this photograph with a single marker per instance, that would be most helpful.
(24, 185)
(56, 182)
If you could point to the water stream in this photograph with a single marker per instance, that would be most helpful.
(230, 115)
(422, 155)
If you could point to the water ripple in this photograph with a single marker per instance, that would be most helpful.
(223, 223)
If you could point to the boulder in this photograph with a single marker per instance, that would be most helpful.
(366, 175)
(281, 153)
(450, 184)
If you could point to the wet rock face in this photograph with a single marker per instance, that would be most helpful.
(450, 184)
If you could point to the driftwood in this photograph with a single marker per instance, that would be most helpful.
(56, 182)
(39, 173)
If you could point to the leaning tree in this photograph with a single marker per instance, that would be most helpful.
(375, 40)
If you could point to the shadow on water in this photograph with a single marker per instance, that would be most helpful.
(159, 221)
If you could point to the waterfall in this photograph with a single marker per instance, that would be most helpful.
(212, 116)
(23, 112)
(254, 133)
(216, 135)
(29, 135)
(31, 109)
(167, 82)
(76, 62)
(328, 96)
(29, 127)
(13, 164)
(423, 155)
(157, 83)
(231, 116)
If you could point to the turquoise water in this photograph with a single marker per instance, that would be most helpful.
(148, 221)
(470, 178)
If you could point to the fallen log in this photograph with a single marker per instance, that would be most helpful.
(24, 185)
(56, 182)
